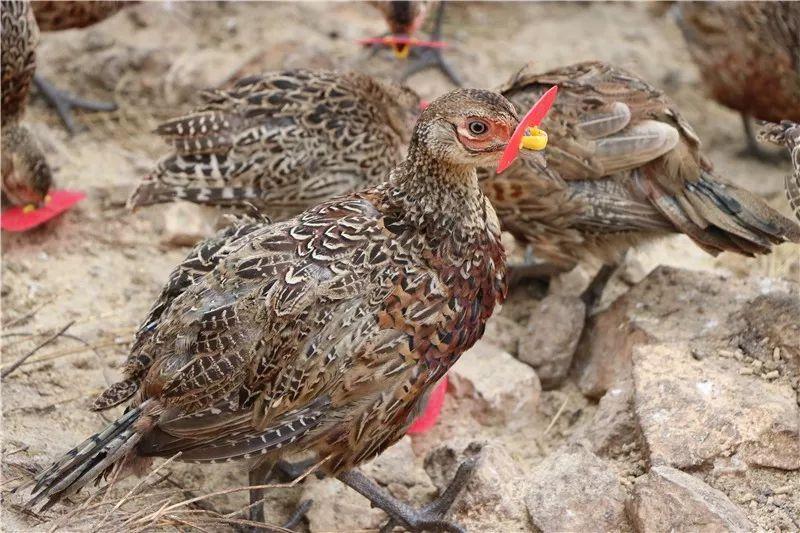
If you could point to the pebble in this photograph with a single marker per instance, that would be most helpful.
(746, 371)
(757, 365)
(776, 354)
(772, 375)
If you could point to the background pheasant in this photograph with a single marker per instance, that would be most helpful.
(283, 142)
(25, 172)
(324, 332)
(622, 167)
(787, 134)
(748, 54)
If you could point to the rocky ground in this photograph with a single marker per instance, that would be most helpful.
(673, 407)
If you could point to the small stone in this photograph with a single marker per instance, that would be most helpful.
(503, 332)
(667, 499)
(554, 328)
(185, 223)
(614, 424)
(776, 353)
(500, 389)
(746, 371)
(774, 374)
(574, 490)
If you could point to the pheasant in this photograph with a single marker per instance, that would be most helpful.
(321, 333)
(787, 134)
(404, 18)
(26, 176)
(749, 55)
(283, 142)
(61, 15)
(622, 167)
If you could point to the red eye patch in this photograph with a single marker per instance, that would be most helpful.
(532, 118)
(19, 218)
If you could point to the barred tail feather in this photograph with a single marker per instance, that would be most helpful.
(721, 217)
(87, 461)
(151, 193)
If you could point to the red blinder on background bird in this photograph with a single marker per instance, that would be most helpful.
(23, 218)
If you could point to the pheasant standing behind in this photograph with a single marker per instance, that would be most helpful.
(283, 141)
(622, 167)
(324, 332)
(787, 134)
(749, 56)
(26, 176)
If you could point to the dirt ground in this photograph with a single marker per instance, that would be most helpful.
(99, 267)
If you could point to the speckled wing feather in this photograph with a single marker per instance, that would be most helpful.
(283, 141)
(621, 165)
(20, 36)
(203, 258)
(63, 15)
(787, 134)
(748, 54)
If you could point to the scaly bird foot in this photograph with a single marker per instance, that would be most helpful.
(64, 103)
(429, 518)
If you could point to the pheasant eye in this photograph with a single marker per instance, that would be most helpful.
(476, 127)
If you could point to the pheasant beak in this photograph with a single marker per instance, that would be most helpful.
(401, 49)
(527, 135)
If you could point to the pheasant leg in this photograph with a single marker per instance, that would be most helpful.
(428, 518)
(591, 296)
(64, 102)
(754, 148)
(259, 476)
(425, 58)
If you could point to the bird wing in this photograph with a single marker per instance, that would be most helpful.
(291, 138)
(288, 325)
(20, 36)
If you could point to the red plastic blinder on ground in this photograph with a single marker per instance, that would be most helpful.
(432, 411)
(390, 40)
(17, 219)
(533, 117)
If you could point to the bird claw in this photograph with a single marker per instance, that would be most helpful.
(428, 518)
(426, 58)
(64, 103)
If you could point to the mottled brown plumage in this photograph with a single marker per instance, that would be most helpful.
(283, 141)
(323, 332)
(787, 134)
(26, 177)
(63, 15)
(622, 166)
(748, 54)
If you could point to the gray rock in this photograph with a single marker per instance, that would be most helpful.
(692, 412)
(499, 389)
(667, 499)
(614, 425)
(554, 329)
(503, 332)
(669, 305)
(574, 490)
(186, 223)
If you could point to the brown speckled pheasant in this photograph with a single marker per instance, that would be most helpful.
(324, 332)
(787, 134)
(622, 167)
(749, 56)
(63, 15)
(25, 173)
(283, 141)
